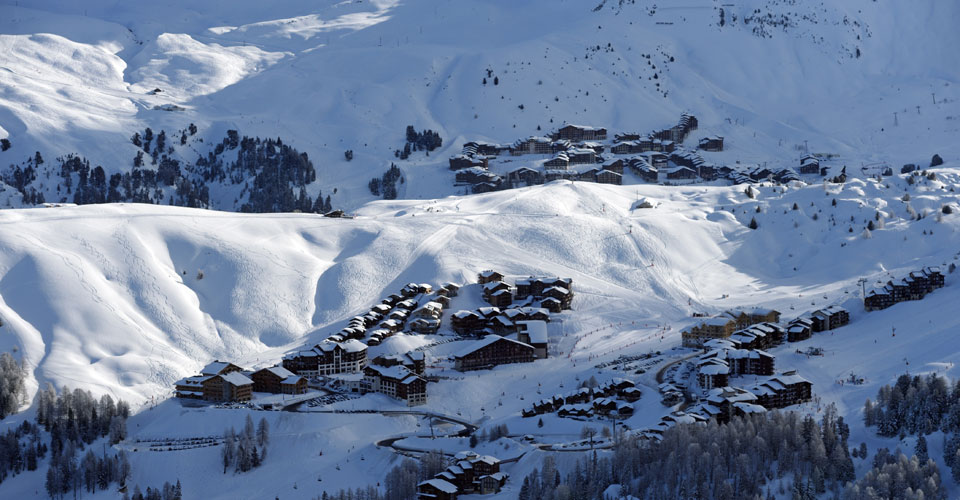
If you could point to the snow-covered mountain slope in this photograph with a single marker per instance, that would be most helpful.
(110, 298)
(125, 299)
(333, 76)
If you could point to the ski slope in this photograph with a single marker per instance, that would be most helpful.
(333, 76)
(125, 299)
(108, 298)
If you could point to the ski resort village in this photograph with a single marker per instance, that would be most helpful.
(472, 250)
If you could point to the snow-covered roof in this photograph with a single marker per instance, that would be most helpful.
(214, 368)
(484, 342)
(195, 381)
(715, 369)
(749, 408)
(448, 476)
(715, 321)
(236, 378)
(789, 378)
(440, 484)
(583, 127)
(280, 372)
(489, 311)
(398, 372)
(537, 330)
(718, 344)
(416, 355)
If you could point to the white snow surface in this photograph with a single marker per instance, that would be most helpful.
(330, 76)
(109, 298)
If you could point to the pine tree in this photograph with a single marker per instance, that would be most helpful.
(228, 452)
(318, 204)
(524, 489)
(753, 223)
(920, 450)
(263, 432)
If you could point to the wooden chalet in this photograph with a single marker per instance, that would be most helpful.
(609, 177)
(829, 318)
(717, 327)
(466, 322)
(783, 390)
(657, 160)
(809, 164)
(485, 187)
(278, 380)
(537, 286)
(759, 336)
(560, 293)
(436, 489)
(327, 358)
(581, 156)
(578, 133)
(219, 381)
(799, 329)
(494, 286)
(415, 361)
(425, 326)
(708, 171)
(474, 175)
(877, 299)
(750, 362)
(488, 276)
(597, 147)
(534, 333)
(219, 368)
(452, 289)
(491, 483)
(525, 175)
(560, 175)
(559, 162)
(462, 161)
(645, 171)
(628, 148)
(484, 148)
(397, 382)
(711, 143)
(723, 403)
(614, 165)
(501, 325)
(491, 351)
(227, 387)
(551, 304)
(533, 145)
(713, 373)
(499, 298)
(588, 175)
(680, 173)
(432, 309)
(489, 313)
